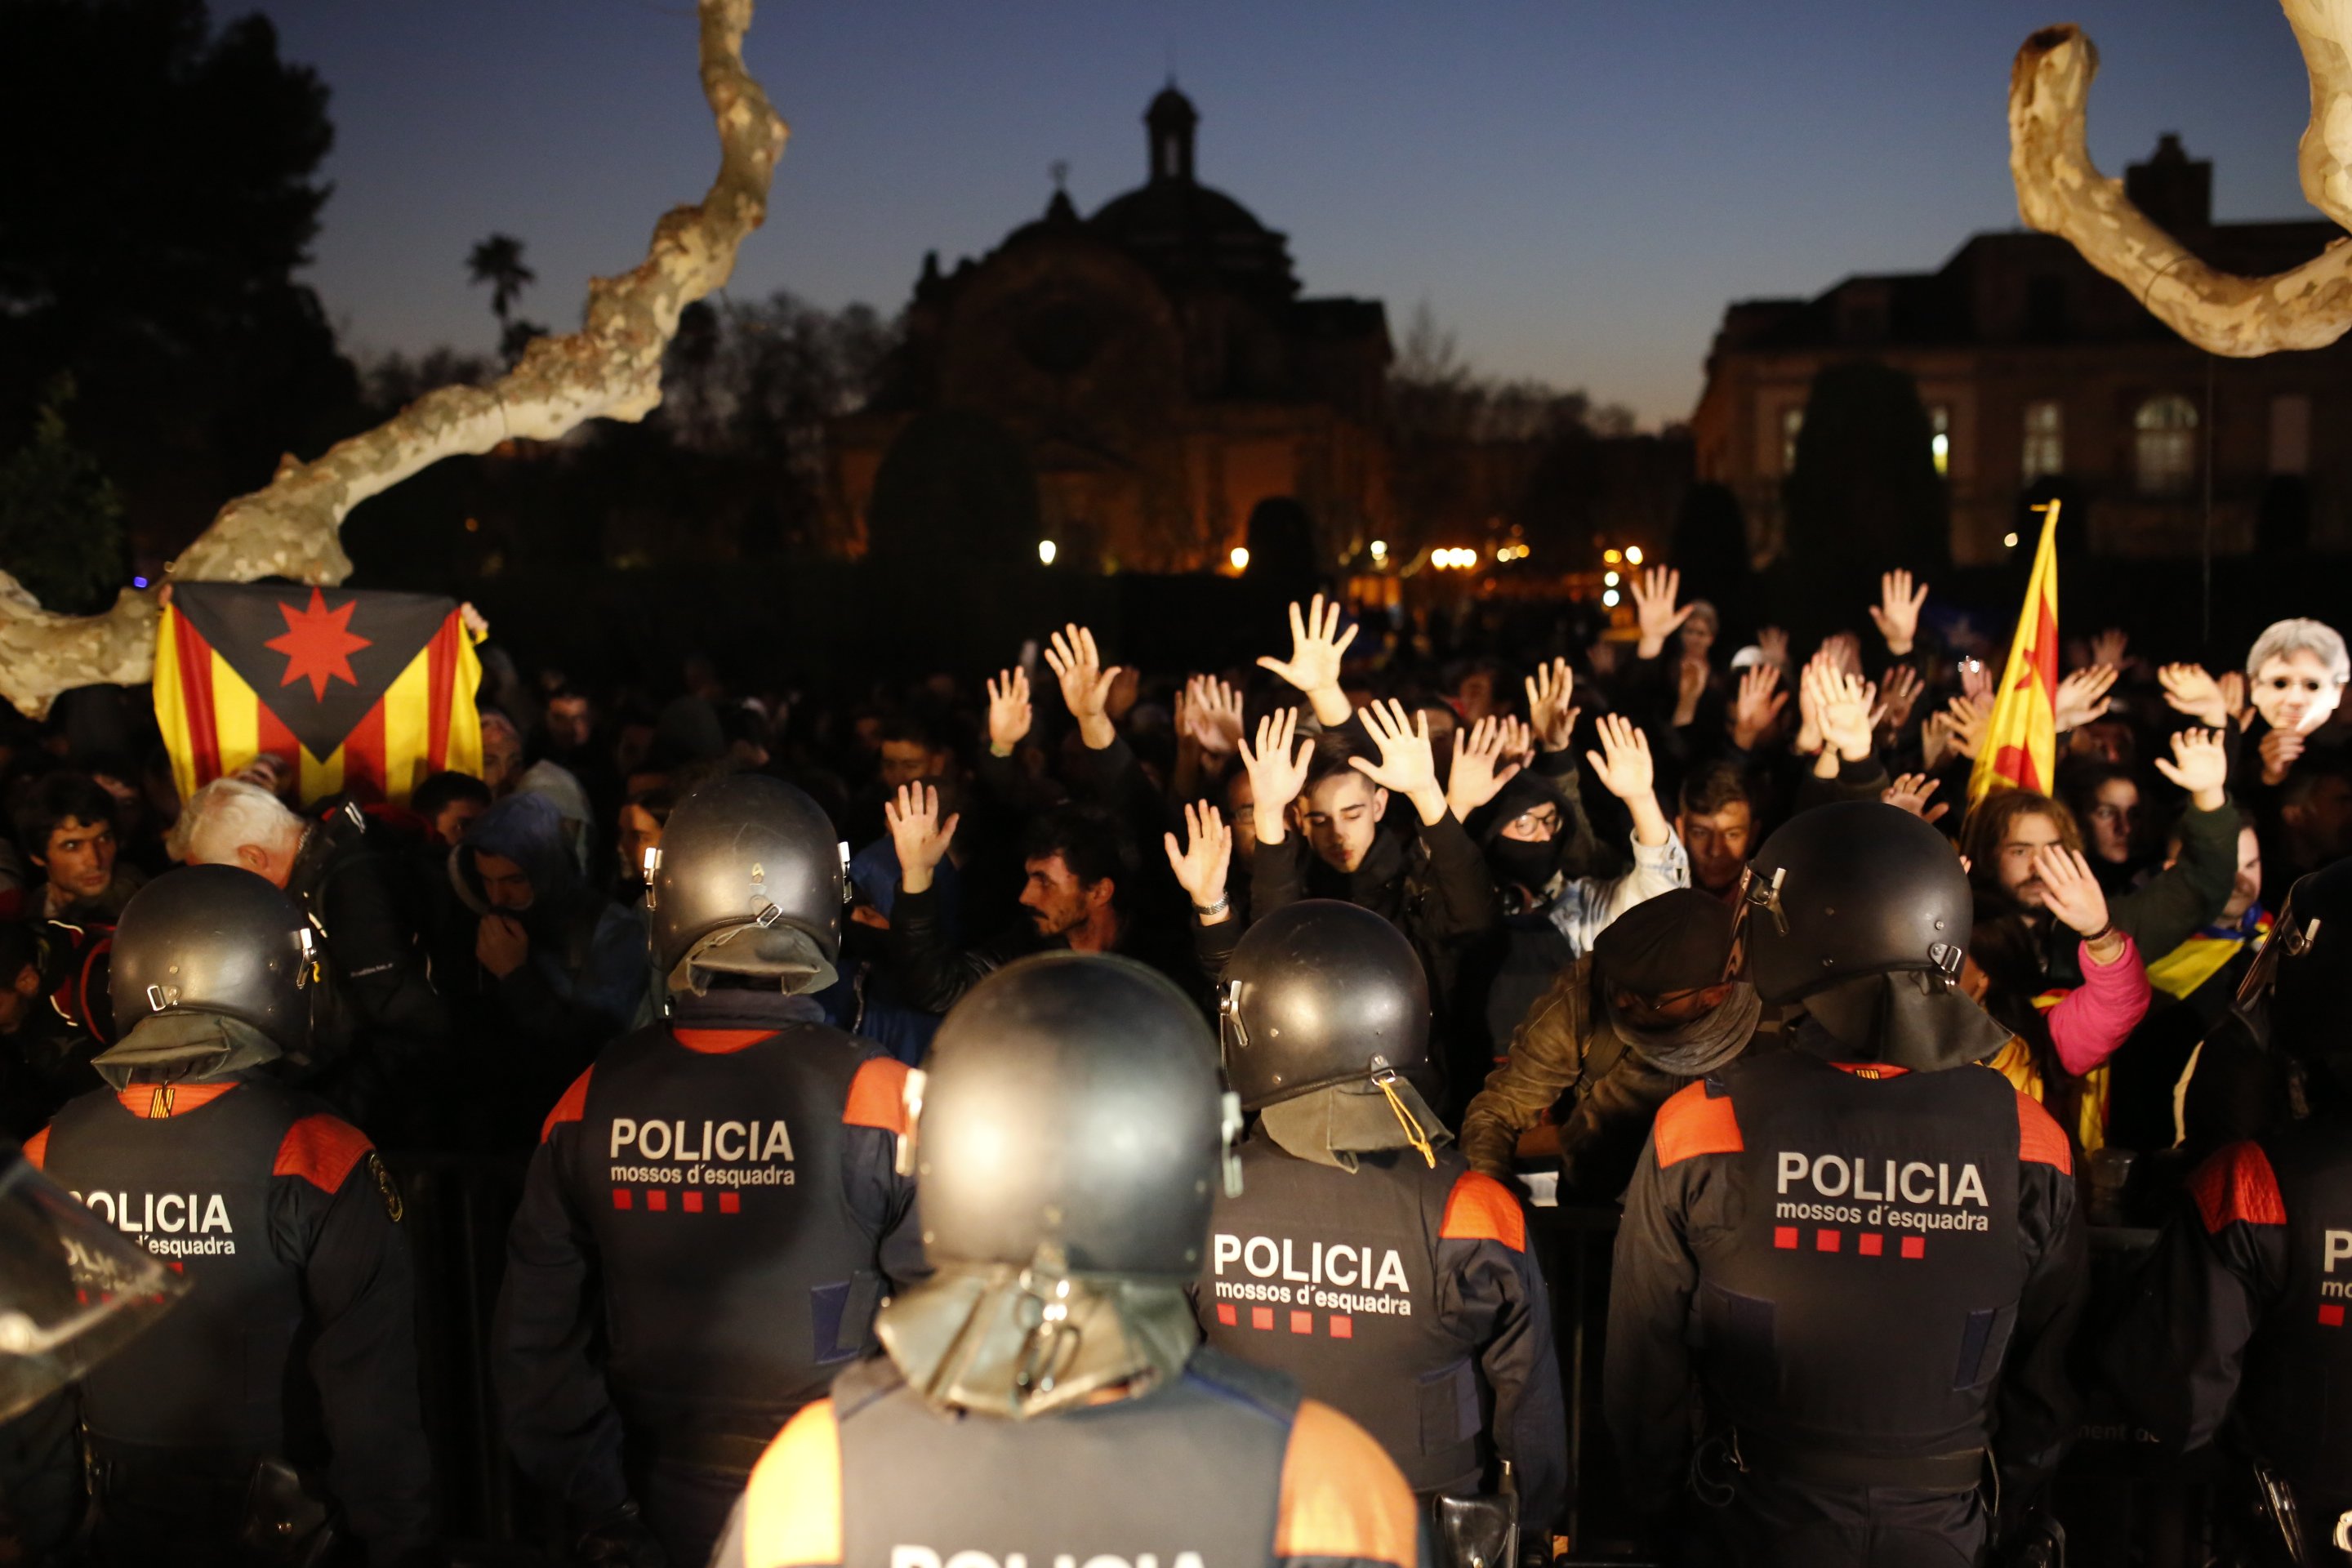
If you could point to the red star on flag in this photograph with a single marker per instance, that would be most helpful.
(318, 644)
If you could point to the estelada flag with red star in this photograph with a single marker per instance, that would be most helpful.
(367, 693)
(2020, 750)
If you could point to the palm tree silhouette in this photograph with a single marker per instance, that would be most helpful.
(498, 261)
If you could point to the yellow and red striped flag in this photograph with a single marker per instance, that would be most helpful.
(2020, 750)
(367, 693)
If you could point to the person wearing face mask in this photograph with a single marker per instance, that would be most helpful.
(1646, 1012)
(2296, 675)
(1539, 847)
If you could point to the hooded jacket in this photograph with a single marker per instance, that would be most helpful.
(585, 976)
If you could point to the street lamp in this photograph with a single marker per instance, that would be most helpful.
(1046, 550)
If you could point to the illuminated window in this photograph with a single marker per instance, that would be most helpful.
(2045, 440)
(2163, 445)
(1793, 421)
(1939, 439)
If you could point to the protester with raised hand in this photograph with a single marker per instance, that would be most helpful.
(1317, 647)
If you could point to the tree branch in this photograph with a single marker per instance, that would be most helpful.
(2061, 191)
(610, 369)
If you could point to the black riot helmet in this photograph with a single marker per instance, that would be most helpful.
(214, 940)
(1318, 993)
(1070, 1105)
(2303, 978)
(1852, 889)
(748, 874)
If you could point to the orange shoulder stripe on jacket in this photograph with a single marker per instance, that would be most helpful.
(36, 1148)
(2237, 1184)
(1342, 1497)
(791, 1509)
(2040, 1139)
(1693, 1122)
(154, 1101)
(1481, 1208)
(321, 1150)
(570, 1107)
(720, 1042)
(877, 1096)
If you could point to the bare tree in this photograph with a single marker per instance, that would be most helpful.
(2061, 191)
(610, 369)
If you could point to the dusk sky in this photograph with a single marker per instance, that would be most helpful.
(1576, 188)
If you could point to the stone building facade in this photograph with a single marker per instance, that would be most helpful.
(1151, 370)
(2040, 375)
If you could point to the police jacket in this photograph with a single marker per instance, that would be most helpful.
(297, 1340)
(2240, 1312)
(1226, 1468)
(1852, 1260)
(709, 1222)
(1405, 1297)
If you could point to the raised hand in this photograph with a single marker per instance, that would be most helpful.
(1654, 592)
(2234, 698)
(2189, 689)
(1842, 707)
(1843, 651)
(1547, 704)
(2108, 646)
(2200, 766)
(1976, 680)
(1086, 684)
(2280, 749)
(1809, 713)
(1317, 647)
(1898, 693)
(1772, 642)
(1407, 766)
(1009, 714)
(1204, 860)
(1625, 770)
(1897, 613)
(1969, 717)
(1518, 739)
(1276, 775)
(919, 834)
(1479, 771)
(1690, 685)
(2069, 890)
(2082, 696)
(1213, 715)
(1757, 706)
(1910, 790)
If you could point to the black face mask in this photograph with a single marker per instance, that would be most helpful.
(1528, 866)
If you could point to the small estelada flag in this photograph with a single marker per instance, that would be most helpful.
(367, 693)
(2020, 750)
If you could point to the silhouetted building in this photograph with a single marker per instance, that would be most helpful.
(1133, 385)
(2041, 375)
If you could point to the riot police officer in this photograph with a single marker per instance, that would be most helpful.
(280, 1403)
(1865, 1249)
(1046, 1396)
(715, 1209)
(2239, 1321)
(1364, 1257)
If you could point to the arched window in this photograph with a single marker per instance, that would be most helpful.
(2163, 445)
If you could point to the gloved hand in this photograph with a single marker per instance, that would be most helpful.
(619, 1540)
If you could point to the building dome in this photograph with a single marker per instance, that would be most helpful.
(1184, 230)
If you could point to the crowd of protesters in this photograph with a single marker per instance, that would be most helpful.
(1504, 818)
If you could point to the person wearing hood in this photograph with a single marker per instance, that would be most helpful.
(1538, 845)
(562, 968)
(2235, 1336)
(1438, 1311)
(279, 1402)
(1646, 1013)
(717, 1207)
(1044, 1395)
(1845, 1265)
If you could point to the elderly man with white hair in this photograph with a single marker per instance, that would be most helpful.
(388, 1018)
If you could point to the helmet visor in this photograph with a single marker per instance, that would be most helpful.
(73, 1290)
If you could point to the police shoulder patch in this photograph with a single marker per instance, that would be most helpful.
(386, 1187)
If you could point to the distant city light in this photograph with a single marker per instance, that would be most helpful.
(1633, 555)
(1453, 557)
(1609, 579)
(1610, 598)
(1046, 550)
(1510, 552)
(139, 581)
(1612, 556)
(1240, 558)
(1380, 550)
(2010, 540)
